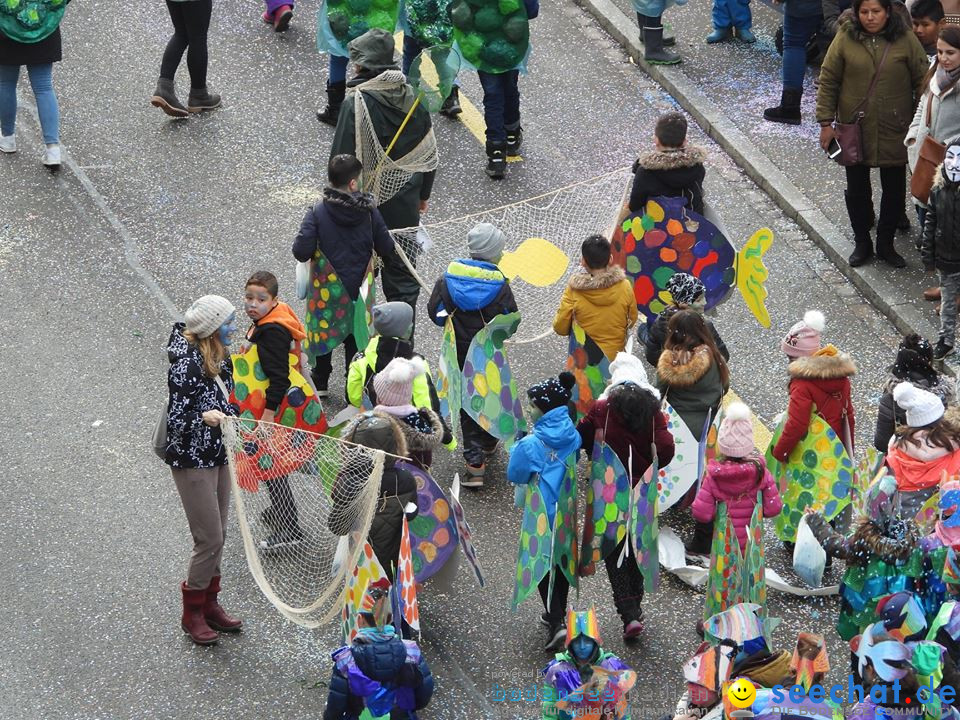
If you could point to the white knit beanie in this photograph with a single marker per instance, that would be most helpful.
(922, 407)
(627, 368)
(207, 314)
(394, 384)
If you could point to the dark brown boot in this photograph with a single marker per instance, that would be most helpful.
(215, 615)
(165, 98)
(192, 621)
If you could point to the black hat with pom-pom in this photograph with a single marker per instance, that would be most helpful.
(553, 392)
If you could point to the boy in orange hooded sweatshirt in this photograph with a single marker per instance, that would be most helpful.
(274, 331)
(600, 300)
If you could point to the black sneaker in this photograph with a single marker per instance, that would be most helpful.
(282, 540)
(556, 636)
(270, 517)
(544, 619)
(451, 106)
(941, 350)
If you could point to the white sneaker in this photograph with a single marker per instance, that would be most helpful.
(8, 143)
(51, 157)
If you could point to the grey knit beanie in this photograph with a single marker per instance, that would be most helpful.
(486, 242)
(393, 319)
(207, 314)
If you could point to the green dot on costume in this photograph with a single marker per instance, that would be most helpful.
(258, 372)
(289, 417)
(240, 389)
(240, 366)
(265, 462)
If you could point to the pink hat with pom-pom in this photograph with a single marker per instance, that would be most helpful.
(803, 339)
(735, 437)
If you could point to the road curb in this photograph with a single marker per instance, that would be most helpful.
(874, 284)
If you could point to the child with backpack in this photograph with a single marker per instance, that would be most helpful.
(472, 292)
(628, 419)
(737, 477)
(600, 300)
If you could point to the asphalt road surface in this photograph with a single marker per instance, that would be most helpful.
(147, 215)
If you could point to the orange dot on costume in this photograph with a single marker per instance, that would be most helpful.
(442, 536)
(674, 227)
(668, 254)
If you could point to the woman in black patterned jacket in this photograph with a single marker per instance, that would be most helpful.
(200, 381)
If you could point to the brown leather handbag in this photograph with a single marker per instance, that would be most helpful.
(928, 160)
(850, 135)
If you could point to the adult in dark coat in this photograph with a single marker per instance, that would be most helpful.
(37, 48)
(398, 488)
(388, 98)
(875, 27)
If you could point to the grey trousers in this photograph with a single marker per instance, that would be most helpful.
(949, 290)
(205, 494)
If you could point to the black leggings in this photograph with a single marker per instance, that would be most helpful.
(893, 185)
(191, 21)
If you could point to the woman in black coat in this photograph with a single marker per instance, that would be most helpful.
(37, 48)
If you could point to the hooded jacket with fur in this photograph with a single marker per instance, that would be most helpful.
(398, 488)
(694, 388)
(672, 172)
(940, 247)
(821, 382)
(603, 304)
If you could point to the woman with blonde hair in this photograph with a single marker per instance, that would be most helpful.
(200, 381)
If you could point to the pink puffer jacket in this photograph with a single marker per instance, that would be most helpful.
(736, 484)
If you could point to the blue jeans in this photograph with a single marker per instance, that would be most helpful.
(411, 48)
(41, 80)
(338, 69)
(796, 34)
(732, 13)
(501, 103)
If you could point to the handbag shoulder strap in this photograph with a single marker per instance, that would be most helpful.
(223, 388)
(876, 78)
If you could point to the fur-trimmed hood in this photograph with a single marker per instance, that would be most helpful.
(413, 430)
(672, 158)
(674, 374)
(894, 546)
(940, 179)
(822, 367)
(391, 438)
(601, 280)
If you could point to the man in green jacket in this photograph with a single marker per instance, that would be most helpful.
(403, 180)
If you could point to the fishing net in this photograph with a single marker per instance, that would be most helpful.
(383, 175)
(544, 235)
(323, 506)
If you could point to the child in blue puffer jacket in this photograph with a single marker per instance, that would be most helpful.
(471, 293)
(378, 671)
(547, 455)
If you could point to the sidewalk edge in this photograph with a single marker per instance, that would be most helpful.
(871, 283)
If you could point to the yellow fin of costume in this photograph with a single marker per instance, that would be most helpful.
(752, 274)
(537, 261)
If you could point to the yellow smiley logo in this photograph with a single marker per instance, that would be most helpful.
(742, 693)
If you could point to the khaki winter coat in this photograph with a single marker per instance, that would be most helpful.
(845, 77)
(602, 304)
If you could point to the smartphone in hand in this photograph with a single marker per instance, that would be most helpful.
(833, 149)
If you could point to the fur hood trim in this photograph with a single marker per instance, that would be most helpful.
(687, 374)
(672, 158)
(418, 441)
(606, 278)
(869, 535)
(822, 367)
(399, 437)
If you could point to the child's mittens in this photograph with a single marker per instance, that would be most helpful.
(519, 495)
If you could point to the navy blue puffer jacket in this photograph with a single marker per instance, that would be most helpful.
(386, 662)
(190, 442)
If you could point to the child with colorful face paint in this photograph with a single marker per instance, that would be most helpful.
(602, 678)
(940, 249)
(200, 382)
(276, 331)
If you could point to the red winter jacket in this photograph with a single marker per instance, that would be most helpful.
(620, 439)
(822, 380)
(736, 484)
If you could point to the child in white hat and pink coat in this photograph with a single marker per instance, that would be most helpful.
(737, 477)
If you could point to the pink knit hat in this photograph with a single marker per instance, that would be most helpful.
(735, 438)
(803, 339)
(394, 384)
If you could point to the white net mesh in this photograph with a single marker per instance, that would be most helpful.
(544, 234)
(297, 495)
(384, 175)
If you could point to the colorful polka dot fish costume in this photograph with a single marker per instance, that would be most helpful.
(668, 238)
